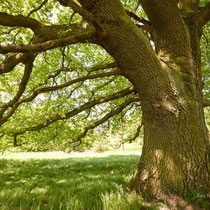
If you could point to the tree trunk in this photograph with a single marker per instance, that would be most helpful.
(175, 155)
(175, 152)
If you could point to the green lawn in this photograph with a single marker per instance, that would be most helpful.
(57, 180)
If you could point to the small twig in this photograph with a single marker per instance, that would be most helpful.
(72, 17)
(38, 8)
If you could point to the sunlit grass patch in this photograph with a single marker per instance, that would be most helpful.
(67, 181)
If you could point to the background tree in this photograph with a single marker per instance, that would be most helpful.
(58, 71)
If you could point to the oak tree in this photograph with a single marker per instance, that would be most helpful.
(143, 53)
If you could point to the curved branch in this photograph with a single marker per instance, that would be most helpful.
(51, 44)
(10, 62)
(22, 86)
(87, 15)
(53, 88)
(20, 21)
(136, 135)
(58, 87)
(78, 110)
(104, 119)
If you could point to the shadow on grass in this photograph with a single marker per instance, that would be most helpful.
(74, 183)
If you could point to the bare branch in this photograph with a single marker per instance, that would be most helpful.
(20, 21)
(80, 109)
(87, 15)
(104, 119)
(51, 44)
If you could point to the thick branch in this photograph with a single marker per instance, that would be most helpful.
(171, 34)
(42, 47)
(80, 109)
(87, 15)
(146, 27)
(48, 33)
(20, 21)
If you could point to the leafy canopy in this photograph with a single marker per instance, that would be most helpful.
(65, 93)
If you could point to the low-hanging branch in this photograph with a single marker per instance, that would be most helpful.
(22, 86)
(51, 44)
(104, 119)
(53, 88)
(80, 109)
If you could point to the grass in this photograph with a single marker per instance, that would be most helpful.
(57, 180)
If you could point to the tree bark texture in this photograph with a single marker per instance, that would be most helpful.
(175, 152)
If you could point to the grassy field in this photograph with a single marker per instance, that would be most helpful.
(57, 180)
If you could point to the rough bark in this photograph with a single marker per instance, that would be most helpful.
(175, 152)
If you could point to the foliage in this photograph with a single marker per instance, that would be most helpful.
(47, 71)
(40, 122)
